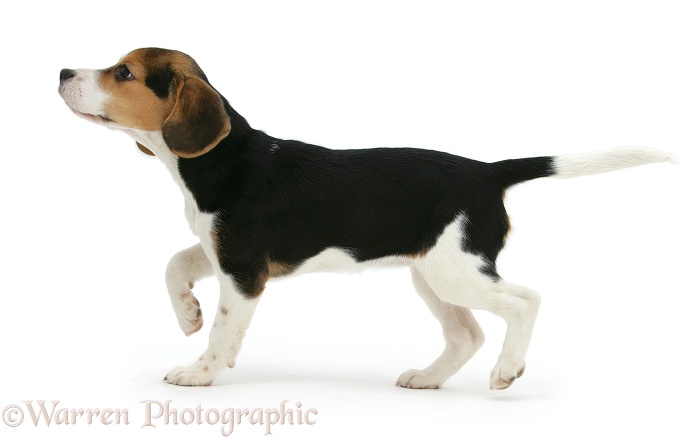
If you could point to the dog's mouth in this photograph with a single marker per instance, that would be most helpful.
(97, 118)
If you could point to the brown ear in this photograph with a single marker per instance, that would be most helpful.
(143, 149)
(198, 121)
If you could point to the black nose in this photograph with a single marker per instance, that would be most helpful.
(67, 74)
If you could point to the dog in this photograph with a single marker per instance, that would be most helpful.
(266, 208)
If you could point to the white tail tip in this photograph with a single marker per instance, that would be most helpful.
(574, 165)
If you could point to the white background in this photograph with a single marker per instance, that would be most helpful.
(89, 223)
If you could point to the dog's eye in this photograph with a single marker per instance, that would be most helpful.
(123, 73)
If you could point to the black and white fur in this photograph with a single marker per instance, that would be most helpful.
(264, 207)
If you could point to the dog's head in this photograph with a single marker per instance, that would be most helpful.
(151, 90)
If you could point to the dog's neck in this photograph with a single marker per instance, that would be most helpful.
(153, 140)
(194, 184)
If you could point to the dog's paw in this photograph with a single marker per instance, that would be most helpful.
(417, 379)
(188, 312)
(198, 374)
(503, 375)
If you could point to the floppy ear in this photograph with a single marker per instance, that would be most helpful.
(198, 120)
(143, 149)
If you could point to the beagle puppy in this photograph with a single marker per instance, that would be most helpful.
(266, 208)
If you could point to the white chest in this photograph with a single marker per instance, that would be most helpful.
(192, 214)
(200, 223)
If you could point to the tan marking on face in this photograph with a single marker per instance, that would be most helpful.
(131, 103)
(205, 368)
(224, 311)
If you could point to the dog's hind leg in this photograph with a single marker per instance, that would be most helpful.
(461, 278)
(463, 337)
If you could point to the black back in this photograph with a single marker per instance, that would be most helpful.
(286, 201)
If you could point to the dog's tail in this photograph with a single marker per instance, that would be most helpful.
(514, 171)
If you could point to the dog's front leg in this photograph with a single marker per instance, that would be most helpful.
(184, 269)
(230, 324)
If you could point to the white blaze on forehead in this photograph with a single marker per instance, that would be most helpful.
(83, 92)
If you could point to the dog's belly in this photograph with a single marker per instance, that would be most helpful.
(335, 259)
